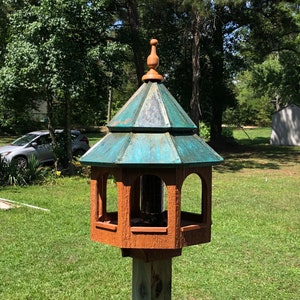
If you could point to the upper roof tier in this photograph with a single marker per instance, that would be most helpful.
(151, 108)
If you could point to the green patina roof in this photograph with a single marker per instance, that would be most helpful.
(151, 108)
(151, 129)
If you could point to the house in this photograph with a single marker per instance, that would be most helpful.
(286, 126)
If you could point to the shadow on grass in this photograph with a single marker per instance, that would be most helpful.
(255, 141)
(257, 156)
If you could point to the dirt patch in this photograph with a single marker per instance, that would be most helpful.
(4, 205)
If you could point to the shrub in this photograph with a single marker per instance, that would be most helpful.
(33, 172)
(60, 150)
(11, 174)
(227, 132)
(3, 171)
(204, 131)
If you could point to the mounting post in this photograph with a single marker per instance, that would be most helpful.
(151, 280)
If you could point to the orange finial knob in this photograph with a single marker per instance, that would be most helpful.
(153, 62)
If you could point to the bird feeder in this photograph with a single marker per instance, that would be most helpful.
(150, 149)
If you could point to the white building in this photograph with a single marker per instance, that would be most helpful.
(286, 126)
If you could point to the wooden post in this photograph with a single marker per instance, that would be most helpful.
(151, 280)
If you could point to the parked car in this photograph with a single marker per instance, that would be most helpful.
(38, 144)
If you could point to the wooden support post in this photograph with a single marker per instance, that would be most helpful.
(151, 280)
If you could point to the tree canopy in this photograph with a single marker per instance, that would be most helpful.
(214, 55)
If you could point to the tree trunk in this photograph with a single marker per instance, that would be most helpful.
(109, 104)
(50, 125)
(195, 112)
(219, 89)
(133, 21)
(68, 135)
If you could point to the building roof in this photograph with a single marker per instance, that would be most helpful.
(292, 106)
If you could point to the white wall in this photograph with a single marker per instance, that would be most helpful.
(286, 126)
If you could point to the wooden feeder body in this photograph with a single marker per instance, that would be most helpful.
(150, 137)
(117, 228)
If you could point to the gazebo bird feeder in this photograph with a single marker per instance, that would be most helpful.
(150, 149)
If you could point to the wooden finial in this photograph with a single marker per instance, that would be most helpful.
(153, 62)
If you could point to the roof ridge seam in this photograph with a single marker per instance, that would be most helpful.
(163, 108)
(184, 115)
(174, 147)
(124, 148)
(141, 104)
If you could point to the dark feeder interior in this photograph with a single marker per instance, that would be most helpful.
(150, 209)
(150, 150)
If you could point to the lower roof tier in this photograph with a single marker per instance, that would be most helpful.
(150, 150)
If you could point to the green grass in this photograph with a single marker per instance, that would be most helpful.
(253, 136)
(94, 137)
(254, 252)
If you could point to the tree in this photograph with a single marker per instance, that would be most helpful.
(3, 30)
(134, 40)
(65, 52)
(251, 108)
(197, 24)
(194, 61)
(59, 52)
(276, 72)
(209, 18)
(270, 49)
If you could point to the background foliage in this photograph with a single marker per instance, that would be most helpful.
(78, 55)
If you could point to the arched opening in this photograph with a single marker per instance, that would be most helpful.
(107, 199)
(192, 197)
(112, 194)
(148, 202)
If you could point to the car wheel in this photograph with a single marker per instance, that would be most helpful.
(20, 162)
(78, 153)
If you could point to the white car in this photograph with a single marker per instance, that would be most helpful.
(38, 144)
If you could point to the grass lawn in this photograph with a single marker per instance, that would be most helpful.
(254, 252)
(253, 136)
